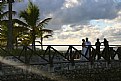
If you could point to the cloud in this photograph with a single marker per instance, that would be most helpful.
(74, 34)
(71, 19)
(82, 11)
(66, 12)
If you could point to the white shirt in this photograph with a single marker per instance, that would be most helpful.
(87, 43)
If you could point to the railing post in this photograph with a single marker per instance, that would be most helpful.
(51, 69)
(71, 55)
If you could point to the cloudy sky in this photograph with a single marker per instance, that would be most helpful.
(73, 20)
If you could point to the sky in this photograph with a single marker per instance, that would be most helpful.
(73, 20)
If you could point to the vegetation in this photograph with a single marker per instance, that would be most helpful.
(24, 33)
(35, 26)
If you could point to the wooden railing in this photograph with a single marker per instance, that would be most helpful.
(67, 62)
(71, 54)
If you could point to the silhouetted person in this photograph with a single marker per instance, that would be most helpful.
(88, 46)
(119, 53)
(105, 52)
(112, 53)
(83, 49)
(97, 51)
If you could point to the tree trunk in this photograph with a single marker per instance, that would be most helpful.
(41, 40)
(16, 42)
(33, 39)
(10, 27)
(41, 43)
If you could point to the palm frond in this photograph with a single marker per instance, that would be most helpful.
(20, 29)
(4, 22)
(19, 22)
(18, 0)
(2, 39)
(2, 6)
(46, 30)
(31, 14)
(44, 22)
(6, 14)
(47, 36)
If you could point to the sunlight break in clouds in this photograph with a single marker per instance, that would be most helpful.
(71, 36)
(70, 3)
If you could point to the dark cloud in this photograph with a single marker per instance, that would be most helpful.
(49, 6)
(88, 10)
(18, 6)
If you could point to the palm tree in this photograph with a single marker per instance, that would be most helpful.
(18, 31)
(44, 33)
(3, 34)
(2, 7)
(10, 23)
(3, 26)
(7, 15)
(31, 16)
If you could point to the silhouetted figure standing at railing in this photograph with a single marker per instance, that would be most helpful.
(112, 53)
(88, 50)
(105, 52)
(97, 51)
(83, 49)
(119, 53)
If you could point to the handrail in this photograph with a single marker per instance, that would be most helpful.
(70, 45)
(69, 54)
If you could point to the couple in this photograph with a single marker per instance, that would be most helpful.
(86, 47)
